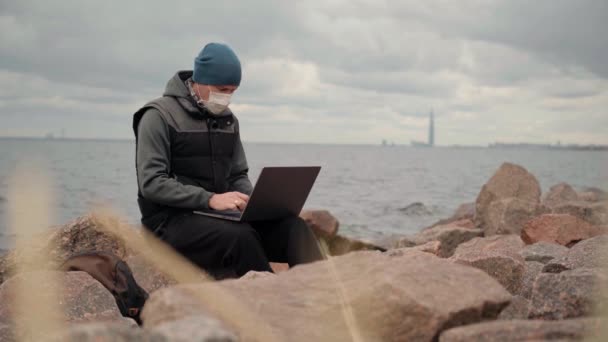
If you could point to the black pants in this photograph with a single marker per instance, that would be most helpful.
(228, 249)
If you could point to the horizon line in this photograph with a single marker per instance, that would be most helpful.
(495, 144)
(109, 139)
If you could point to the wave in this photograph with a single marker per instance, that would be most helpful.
(416, 209)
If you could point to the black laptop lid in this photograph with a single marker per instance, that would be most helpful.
(280, 192)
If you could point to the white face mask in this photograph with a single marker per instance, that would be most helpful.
(217, 103)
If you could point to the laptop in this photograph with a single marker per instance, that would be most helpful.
(278, 193)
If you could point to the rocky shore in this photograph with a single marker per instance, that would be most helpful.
(516, 265)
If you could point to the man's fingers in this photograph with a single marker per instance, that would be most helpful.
(242, 196)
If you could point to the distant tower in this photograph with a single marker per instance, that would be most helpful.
(431, 129)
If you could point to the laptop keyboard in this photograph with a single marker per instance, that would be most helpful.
(234, 213)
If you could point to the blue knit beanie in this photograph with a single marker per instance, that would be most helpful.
(217, 64)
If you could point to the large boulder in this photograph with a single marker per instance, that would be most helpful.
(368, 296)
(196, 328)
(590, 253)
(559, 194)
(84, 234)
(531, 271)
(450, 236)
(526, 331)
(496, 255)
(517, 309)
(562, 229)
(108, 332)
(321, 222)
(543, 252)
(146, 274)
(507, 200)
(464, 211)
(594, 213)
(81, 298)
(59, 243)
(569, 294)
(508, 216)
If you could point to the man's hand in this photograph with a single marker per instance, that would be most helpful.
(229, 201)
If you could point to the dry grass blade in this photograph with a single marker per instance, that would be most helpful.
(36, 312)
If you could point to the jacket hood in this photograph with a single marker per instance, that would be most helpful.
(176, 87)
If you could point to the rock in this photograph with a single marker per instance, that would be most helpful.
(543, 252)
(147, 275)
(496, 255)
(171, 304)
(84, 234)
(7, 266)
(508, 216)
(594, 213)
(366, 295)
(509, 198)
(450, 237)
(587, 196)
(278, 267)
(416, 209)
(524, 330)
(464, 215)
(464, 211)
(465, 223)
(394, 241)
(105, 332)
(569, 294)
(339, 245)
(559, 194)
(562, 229)
(321, 222)
(592, 194)
(60, 243)
(404, 242)
(590, 253)
(517, 309)
(197, 328)
(82, 299)
(6, 333)
(433, 247)
(255, 274)
(531, 272)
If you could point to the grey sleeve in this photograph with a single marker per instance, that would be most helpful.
(239, 179)
(153, 167)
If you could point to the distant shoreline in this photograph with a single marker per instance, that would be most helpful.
(503, 146)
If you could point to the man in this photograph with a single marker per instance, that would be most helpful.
(189, 156)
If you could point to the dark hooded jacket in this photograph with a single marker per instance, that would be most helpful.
(184, 154)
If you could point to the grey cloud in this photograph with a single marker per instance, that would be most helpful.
(567, 33)
(372, 64)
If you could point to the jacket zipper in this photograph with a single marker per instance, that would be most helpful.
(212, 156)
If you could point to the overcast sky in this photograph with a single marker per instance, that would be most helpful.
(328, 71)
